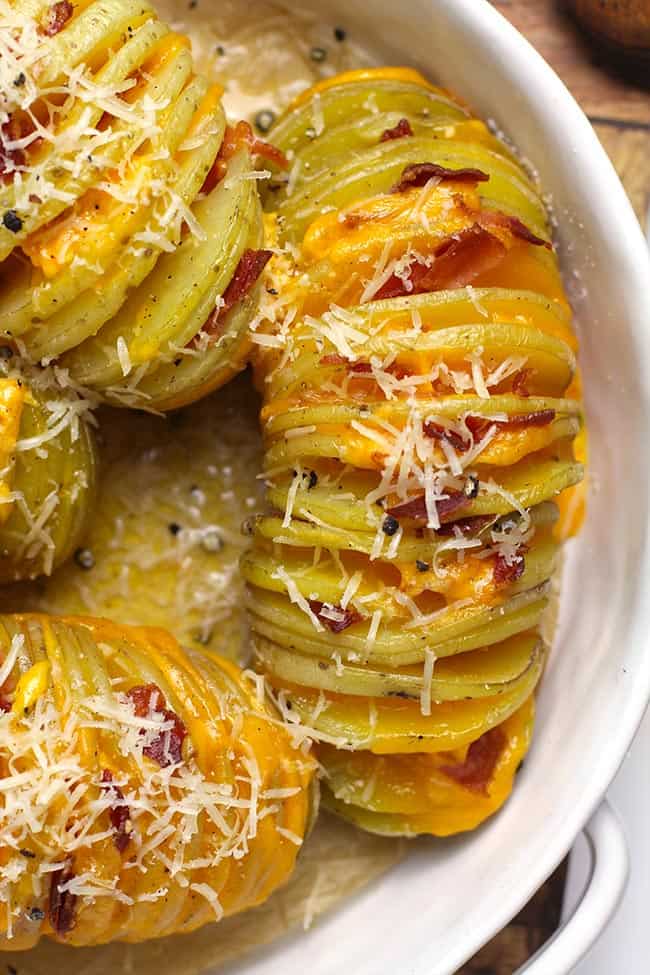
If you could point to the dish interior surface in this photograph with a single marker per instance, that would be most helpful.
(446, 897)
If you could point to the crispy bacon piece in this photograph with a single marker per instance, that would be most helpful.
(479, 425)
(166, 748)
(250, 266)
(333, 359)
(467, 526)
(478, 768)
(507, 573)
(348, 616)
(458, 261)
(538, 418)
(464, 256)
(520, 383)
(399, 131)
(11, 159)
(461, 259)
(5, 705)
(416, 508)
(489, 219)
(361, 367)
(235, 138)
(62, 904)
(437, 432)
(56, 17)
(521, 231)
(419, 174)
(120, 814)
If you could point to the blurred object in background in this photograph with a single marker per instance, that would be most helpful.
(621, 29)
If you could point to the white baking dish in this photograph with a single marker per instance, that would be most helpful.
(434, 911)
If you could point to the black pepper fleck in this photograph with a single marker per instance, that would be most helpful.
(204, 637)
(472, 485)
(422, 566)
(313, 480)
(6, 352)
(28, 854)
(390, 525)
(264, 120)
(12, 221)
(174, 528)
(84, 558)
(340, 34)
(20, 80)
(221, 50)
(318, 54)
(36, 914)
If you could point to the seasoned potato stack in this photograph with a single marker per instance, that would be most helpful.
(419, 420)
(47, 475)
(147, 790)
(130, 227)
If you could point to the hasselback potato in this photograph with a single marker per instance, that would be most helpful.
(47, 474)
(420, 411)
(146, 790)
(130, 226)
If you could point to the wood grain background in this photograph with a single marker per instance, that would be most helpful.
(620, 113)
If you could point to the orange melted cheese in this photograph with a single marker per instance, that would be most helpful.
(12, 401)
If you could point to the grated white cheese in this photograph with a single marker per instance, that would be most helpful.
(427, 678)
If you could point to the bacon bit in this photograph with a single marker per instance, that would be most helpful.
(354, 220)
(521, 231)
(11, 130)
(399, 131)
(5, 705)
(539, 418)
(56, 17)
(416, 508)
(166, 748)
(419, 174)
(458, 261)
(62, 904)
(361, 367)
(348, 616)
(478, 768)
(520, 383)
(489, 219)
(250, 266)
(466, 526)
(215, 174)
(333, 359)
(120, 814)
(238, 137)
(464, 257)
(507, 573)
(479, 425)
(437, 432)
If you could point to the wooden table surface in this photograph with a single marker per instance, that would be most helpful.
(620, 113)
